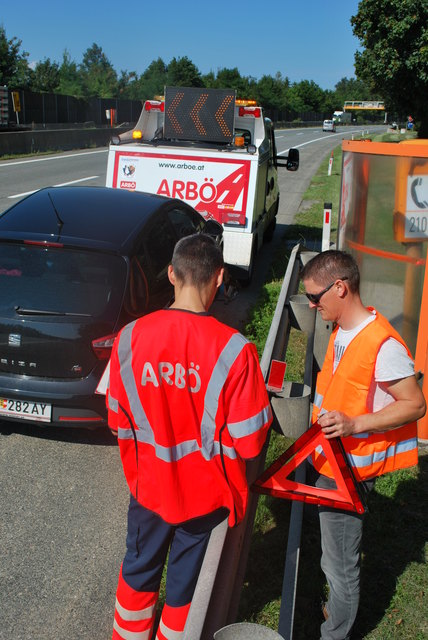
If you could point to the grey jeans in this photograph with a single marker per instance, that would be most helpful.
(341, 534)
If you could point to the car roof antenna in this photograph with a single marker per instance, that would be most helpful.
(58, 217)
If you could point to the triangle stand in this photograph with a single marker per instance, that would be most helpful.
(275, 479)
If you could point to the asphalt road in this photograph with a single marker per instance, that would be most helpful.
(63, 497)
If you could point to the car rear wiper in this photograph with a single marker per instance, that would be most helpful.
(44, 312)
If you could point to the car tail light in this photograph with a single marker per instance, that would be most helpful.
(44, 243)
(250, 111)
(154, 105)
(102, 346)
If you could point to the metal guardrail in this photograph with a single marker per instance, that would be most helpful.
(216, 599)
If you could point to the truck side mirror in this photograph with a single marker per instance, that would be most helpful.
(293, 160)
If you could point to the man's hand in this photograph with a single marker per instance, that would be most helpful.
(408, 405)
(336, 423)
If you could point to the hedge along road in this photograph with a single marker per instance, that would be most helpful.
(64, 499)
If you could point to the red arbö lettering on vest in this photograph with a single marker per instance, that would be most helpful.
(171, 374)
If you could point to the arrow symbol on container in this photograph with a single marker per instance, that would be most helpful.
(171, 115)
(194, 114)
(220, 113)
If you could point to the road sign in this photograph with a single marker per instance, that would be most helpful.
(199, 114)
(16, 102)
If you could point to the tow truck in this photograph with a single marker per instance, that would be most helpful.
(213, 151)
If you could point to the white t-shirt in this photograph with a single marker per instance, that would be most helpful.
(392, 363)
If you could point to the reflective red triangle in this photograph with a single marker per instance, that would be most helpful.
(274, 480)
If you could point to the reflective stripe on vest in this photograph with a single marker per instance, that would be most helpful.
(247, 427)
(219, 375)
(113, 404)
(318, 399)
(209, 448)
(359, 462)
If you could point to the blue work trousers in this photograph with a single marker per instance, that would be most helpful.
(148, 540)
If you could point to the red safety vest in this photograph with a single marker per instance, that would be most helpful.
(189, 403)
(370, 454)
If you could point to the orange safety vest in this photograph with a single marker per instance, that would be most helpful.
(370, 454)
(189, 402)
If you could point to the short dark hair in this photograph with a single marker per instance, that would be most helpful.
(331, 265)
(196, 259)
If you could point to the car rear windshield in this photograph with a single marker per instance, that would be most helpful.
(61, 281)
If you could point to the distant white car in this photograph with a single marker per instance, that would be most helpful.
(328, 125)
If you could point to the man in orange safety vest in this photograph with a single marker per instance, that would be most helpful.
(366, 394)
(188, 401)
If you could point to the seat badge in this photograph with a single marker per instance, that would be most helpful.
(14, 340)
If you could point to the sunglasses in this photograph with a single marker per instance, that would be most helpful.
(316, 297)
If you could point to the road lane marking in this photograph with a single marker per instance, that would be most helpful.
(63, 184)
(331, 135)
(58, 157)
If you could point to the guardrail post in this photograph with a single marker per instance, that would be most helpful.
(286, 614)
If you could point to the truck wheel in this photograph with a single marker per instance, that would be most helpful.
(268, 235)
(246, 280)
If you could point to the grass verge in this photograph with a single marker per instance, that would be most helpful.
(394, 579)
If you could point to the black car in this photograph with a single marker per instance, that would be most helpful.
(76, 264)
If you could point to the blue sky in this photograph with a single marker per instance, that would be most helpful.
(301, 39)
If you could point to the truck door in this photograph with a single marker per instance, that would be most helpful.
(272, 189)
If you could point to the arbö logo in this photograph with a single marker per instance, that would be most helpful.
(128, 184)
(172, 374)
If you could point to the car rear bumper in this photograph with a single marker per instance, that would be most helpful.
(74, 403)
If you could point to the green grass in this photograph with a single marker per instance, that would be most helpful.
(394, 579)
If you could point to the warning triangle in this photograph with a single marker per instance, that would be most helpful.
(275, 479)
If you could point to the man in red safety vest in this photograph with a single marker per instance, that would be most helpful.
(189, 404)
(366, 394)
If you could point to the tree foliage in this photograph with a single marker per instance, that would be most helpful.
(95, 76)
(70, 83)
(14, 69)
(394, 59)
(45, 77)
(183, 73)
(99, 79)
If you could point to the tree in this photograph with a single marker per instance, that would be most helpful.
(153, 80)
(353, 89)
(305, 96)
(45, 77)
(183, 73)
(14, 69)
(271, 92)
(99, 79)
(394, 61)
(70, 83)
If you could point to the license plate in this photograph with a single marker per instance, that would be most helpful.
(40, 411)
